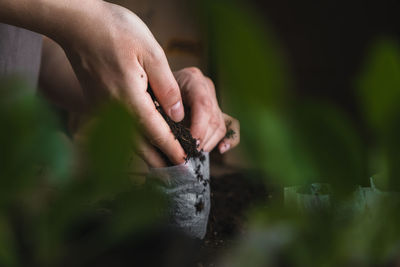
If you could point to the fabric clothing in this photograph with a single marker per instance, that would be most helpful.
(20, 53)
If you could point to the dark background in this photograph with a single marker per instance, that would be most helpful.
(326, 41)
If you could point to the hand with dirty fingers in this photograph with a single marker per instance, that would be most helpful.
(115, 56)
(207, 124)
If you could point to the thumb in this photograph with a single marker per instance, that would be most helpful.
(164, 85)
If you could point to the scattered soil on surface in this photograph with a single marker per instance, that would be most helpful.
(231, 197)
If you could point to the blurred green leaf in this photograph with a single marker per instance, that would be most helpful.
(295, 145)
(276, 149)
(136, 210)
(379, 92)
(333, 145)
(247, 57)
(109, 149)
(8, 253)
(295, 142)
(379, 84)
(30, 141)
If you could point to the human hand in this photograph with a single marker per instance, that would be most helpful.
(114, 55)
(208, 124)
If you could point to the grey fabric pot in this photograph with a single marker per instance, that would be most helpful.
(312, 197)
(187, 185)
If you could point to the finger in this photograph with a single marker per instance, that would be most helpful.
(232, 137)
(215, 112)
(155, 127)
(164, 85)
(200, 122)
(211, 86)
(212, 126)
(201, 106)
(216, 137)
(150, 154)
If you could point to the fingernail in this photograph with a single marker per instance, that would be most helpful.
(176, 112)
(225, 148)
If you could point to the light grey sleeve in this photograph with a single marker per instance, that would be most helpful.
(20, 53)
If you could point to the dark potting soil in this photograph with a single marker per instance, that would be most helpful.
(180, 131)
(232, 195)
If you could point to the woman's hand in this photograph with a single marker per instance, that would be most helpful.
(113, 54)
(197, 90)
(116, 56)
(208, 124)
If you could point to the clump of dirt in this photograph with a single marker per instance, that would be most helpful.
(200, 176)
(229, 133)
(199, 206)
(181, 132)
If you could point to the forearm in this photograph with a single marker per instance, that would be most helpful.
(54, 18)
(57, 80)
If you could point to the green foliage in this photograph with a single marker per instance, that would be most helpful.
(303, 142)
(249, 64)
(50, 190)
(379, 91)
(294, 143)
(28, 140)
(8, 255)
(379, 84)
(47, 196)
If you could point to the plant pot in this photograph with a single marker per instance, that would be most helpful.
(315, 196)
(187, 185)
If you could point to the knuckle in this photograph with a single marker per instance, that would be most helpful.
(169, 95)
(194, 71)
(156, 54)
(205, 102)
(214, 123)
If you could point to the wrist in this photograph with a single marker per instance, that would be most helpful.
(74, 20)
(65, 21)
(53, 18)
